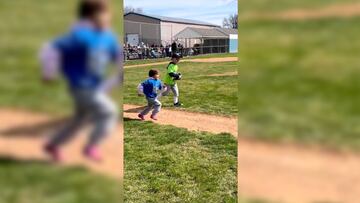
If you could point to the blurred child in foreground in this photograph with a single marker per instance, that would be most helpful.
(82, 56)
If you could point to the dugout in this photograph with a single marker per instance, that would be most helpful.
(208, 41)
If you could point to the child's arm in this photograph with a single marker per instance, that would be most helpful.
(118, 58)
(140, 89)
(172, 71)
(117, 79)
(50, 62)
(176, 76)
(160, 85)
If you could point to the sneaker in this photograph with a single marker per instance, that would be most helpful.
(142, 117)
(178, 104)
(54, 153)
(92, 153)
(153, 117)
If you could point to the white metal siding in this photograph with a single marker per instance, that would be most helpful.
(169, 29)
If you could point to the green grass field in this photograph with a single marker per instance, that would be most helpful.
(32, 181)
(303, 84)
(200, 92)
(164, 163)
(259, 6)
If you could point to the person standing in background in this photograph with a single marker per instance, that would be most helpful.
(173, 48)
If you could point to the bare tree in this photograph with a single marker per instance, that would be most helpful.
(226, 23)
(231, 21)
(129, 9)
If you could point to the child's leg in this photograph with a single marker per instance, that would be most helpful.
(69, 131)
(175, 90)
(157, 107)
(149, 107)
(105, 115)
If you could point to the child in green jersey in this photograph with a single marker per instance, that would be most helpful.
(171, 77)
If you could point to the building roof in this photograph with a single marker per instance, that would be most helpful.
(228, 31)
(175, 20)
(197, 33)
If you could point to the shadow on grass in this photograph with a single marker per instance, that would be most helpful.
(36, 130)
(130, 119)
(134, 110)
(8, 160)
(24, 163)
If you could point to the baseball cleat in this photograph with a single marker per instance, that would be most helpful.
(178, 104)
(54, 153)
(93, 154)
(142, 117)
(154, 117)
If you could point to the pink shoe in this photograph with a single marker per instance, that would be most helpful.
(54, 153)
(92, 153)
(142, 117)
(154, 117)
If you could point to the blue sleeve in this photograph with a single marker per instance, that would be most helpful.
(115, 48)
(58, 43)
(62, 42)
(160, 85)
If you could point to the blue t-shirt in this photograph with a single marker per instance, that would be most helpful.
(85, 54)
(151, 87)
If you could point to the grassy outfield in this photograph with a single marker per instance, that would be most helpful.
(199, 91)
(259, 6)
(146, 61)
(25, 182)
(300, 81)
(164, 163)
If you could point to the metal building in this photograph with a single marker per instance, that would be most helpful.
(207, 41)
(156, 30)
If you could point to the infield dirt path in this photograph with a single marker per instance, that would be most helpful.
(275, 172)
(294, 174)
(204, 60)
(188, 120)
(335, 10)
(22, 135)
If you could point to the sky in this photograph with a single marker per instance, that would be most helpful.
(212, 11)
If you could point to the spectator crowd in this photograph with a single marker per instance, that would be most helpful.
(146, 51)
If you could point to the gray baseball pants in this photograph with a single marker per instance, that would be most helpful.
(95, 107)
(174, 89)
(153, 104)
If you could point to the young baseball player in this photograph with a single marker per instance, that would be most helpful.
(82, 56)
(171, 77)
(150, 88)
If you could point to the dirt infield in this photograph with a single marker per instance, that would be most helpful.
(275, 172)
(188, 120)
(223, 74)
(204, 60)
(22, 135)
(294, 174)
(336, 10)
